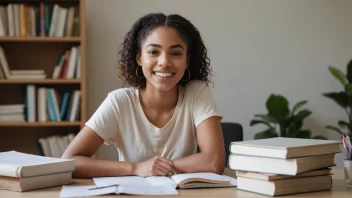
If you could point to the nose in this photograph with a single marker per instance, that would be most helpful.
(164, 60)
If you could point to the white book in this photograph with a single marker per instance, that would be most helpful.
(44, 142)
(284, 148)
(17, 164)
(17, 22)
(59, 32)
(186, 180)
(85, 191)
(78, 63)
(31, 103)
(12, 106)
(10, 18)
(75, 105)
(54, 20)
(36, 76)
(12, 118)
(72, 63)
(4, 63)
(42, 104)
(26, 72)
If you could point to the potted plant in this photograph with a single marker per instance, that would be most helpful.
(281, 121)
(342, 99)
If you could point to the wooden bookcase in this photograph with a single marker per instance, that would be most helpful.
(40, 53)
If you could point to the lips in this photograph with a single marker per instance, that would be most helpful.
(163, 74)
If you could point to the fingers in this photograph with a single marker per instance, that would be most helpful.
(165, 165)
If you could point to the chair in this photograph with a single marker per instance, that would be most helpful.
(232, 132)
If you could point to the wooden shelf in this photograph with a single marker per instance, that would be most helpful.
(39, 124)
(39, 39)
(40, 81)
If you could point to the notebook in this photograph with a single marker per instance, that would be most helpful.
(20, 165)
(186, 180)
(285, 148)
(85, 191)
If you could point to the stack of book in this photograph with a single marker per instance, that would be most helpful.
(12, 113)
(281, 166)
(25, 172)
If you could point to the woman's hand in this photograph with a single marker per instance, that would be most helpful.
(157, 166)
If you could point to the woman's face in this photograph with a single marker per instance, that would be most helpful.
(163, 58)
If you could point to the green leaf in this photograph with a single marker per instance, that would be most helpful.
(348, 90)
(298, 106)
(339, 98)
(265, 134)
(335, 129)
(254, 122)
(319, 137)
(338, 75)
(349, 71)
(266, 118)
(303, 134)
(343, 124)
(277, 107)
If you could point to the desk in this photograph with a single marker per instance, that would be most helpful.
(338, 191)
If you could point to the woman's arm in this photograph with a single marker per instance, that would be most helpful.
(87, 142)
(212, 152)
(83, 146)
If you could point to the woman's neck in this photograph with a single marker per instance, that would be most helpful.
(159, 101)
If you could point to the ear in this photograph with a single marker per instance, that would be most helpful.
(138, 59)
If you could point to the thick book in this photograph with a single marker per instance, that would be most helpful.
(36, 182)
(269, 177)
(285, 148)
(185, 180)
(280, 166)
(285, 186)
(17, 164)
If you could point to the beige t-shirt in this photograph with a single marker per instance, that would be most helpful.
(120, 119)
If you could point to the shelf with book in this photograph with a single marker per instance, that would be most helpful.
(42, 71)
(39, 39)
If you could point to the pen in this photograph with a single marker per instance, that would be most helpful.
(100, 187)
(164, 152)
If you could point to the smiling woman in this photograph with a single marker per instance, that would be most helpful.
(168, 104)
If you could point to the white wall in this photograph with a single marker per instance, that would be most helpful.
(256, 48)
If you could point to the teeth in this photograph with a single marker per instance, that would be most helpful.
(163, 74)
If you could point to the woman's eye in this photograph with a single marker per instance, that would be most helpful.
(177, 54)
(152, 52)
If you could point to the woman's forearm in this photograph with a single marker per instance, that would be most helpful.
(200, 162)
(87, 167)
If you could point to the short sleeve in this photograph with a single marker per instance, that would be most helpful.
(104, 121)
(204, 105)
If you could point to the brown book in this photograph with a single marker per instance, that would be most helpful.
(285, 186)
(37, 182)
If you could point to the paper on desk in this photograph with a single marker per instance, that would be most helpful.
(83, 191)
(133, 180)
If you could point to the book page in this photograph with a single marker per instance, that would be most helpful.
(147, 190)
(23, 159)
(126, 180)
(83, 191)
(161, 180)
(178, 178)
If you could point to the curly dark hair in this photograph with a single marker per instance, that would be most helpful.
(199, 63)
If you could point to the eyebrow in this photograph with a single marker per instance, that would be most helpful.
(159, 46)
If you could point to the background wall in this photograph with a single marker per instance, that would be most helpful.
(256, 48)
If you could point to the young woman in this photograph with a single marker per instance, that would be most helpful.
(167, 107)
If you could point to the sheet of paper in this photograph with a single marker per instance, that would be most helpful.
(147, 190)
(83, 191)
(160, 180)
(127, 180)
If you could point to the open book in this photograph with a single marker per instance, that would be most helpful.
(187, 180)
(85, 191)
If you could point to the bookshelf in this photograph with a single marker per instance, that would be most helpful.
(34, 47)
